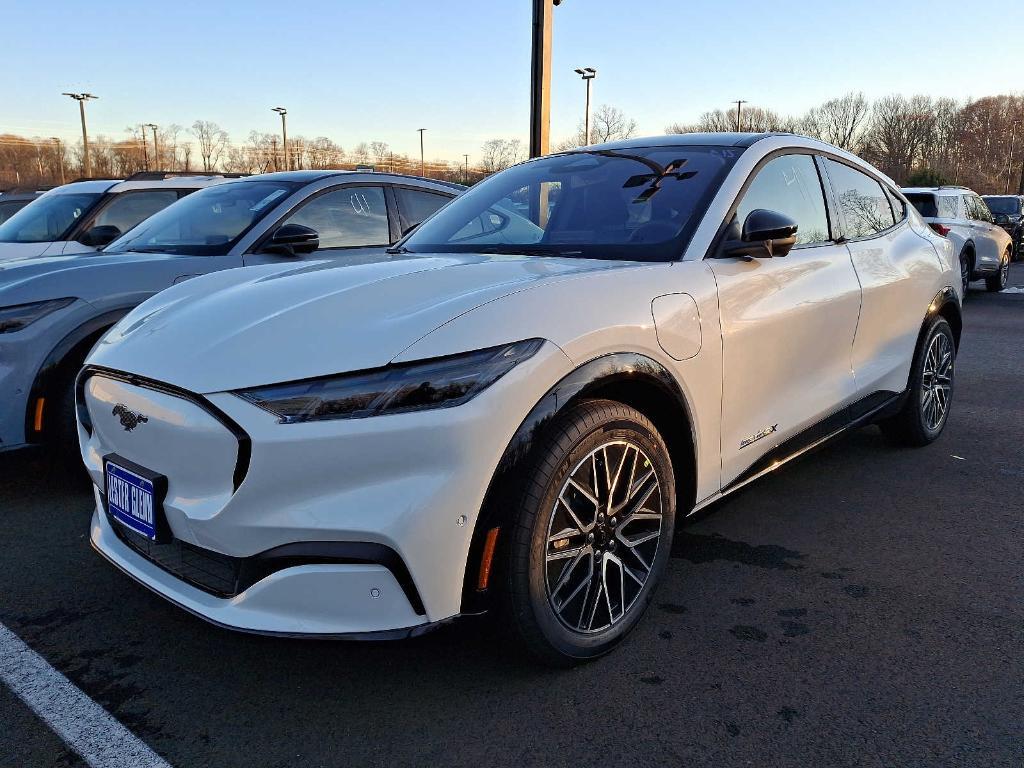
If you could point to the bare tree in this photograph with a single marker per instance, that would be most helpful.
(361, 153)
(900, 129)
(380, 151)
(498, 154)
(839, 121)
(213, 140)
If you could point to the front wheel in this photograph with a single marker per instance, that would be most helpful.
(597, 512)
(997, 282)
(965, 274)
(930, 389)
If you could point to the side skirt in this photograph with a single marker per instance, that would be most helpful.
(875, 406)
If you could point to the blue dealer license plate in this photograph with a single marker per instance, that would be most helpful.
(132, 500)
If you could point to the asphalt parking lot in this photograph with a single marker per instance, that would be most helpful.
(861, 607)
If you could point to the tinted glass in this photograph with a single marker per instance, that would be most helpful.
(948, 207)
(789, 185)
(971, 210)
(864, 205)
(47, 218)
(417, 205)
(925, 203)
(1004, 206)
(129, 208)
(208, 222)
(10, 207)
(898, 206)
(638, 203)
(347, 217)
(982, 211)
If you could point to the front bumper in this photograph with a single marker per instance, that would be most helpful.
(413, 483)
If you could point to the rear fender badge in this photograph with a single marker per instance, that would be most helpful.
(755, 437)
(129, 419)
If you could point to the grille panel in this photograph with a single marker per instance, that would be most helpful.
(209, 571)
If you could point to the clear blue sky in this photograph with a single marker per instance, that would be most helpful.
(380, 69)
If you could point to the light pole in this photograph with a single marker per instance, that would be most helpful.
(423, 165)
(284, 133)
(588, 74)
(81, 98)
(156, 148)
(60, 158)
(1009, 162)
(739, 114)
(465, 176)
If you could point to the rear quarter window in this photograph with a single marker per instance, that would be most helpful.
(925, 204)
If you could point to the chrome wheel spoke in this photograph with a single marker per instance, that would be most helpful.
(603, 536)
(937, 381)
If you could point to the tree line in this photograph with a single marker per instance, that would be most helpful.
(917, 140)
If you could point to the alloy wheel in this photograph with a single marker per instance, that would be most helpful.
(603, 537)
(965, 273)
(1004, 271)
(937, 381)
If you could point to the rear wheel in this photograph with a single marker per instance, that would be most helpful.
(965, 272)
(594, 532)
(997, 282)
(930, 391)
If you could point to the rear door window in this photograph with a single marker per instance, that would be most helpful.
(863, 203)
(415, 205)
(130, 208)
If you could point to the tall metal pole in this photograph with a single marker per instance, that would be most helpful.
(156, 148)
(588, 74)
(423, 165)
(540, 77)
(739, 114)
(465, 176)
(1009, 162)
(60, 158)
(284, 134)
(145, 147)
(81, 98)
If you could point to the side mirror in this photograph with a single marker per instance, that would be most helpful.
(765, 234)
(100, 236)
(292, 239)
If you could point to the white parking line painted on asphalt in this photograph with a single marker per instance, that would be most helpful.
(83, 724)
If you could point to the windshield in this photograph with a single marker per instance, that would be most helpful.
(638, 204)
(47, 218)
(206, 223)
(1005, 206)
(10, 207)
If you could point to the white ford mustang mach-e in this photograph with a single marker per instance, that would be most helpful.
(513, 408)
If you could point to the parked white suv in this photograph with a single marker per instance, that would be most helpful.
(84, 216)
(983, 248)
(512, 408)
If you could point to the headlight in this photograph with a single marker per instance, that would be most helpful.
(17, 317)
(439, 383)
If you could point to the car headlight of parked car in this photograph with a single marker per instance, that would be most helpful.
(441, 382)
(16, 317)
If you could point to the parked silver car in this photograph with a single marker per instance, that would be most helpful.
(959, 213)
(54, 308)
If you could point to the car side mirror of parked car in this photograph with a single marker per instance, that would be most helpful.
(101, 235)
(293, 239)
(765, 234)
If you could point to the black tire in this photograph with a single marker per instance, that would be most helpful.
(585, 433)
(965, 272)
(62, 425)
(913, 424)
(997, 282)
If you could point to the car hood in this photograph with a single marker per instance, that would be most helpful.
(34, 278)
(269, 324)
(12, 251)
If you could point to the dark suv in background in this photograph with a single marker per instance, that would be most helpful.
(1008, 212)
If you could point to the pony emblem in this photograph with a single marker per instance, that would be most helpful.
(129, 419)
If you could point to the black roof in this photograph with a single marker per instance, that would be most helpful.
(723, 139)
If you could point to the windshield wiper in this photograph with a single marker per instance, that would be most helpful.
(397, 249)
(527, 250)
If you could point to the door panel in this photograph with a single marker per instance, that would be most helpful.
(787, 335)
(898, 273)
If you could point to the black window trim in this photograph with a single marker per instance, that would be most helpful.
(881, 183)
(262, 240)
